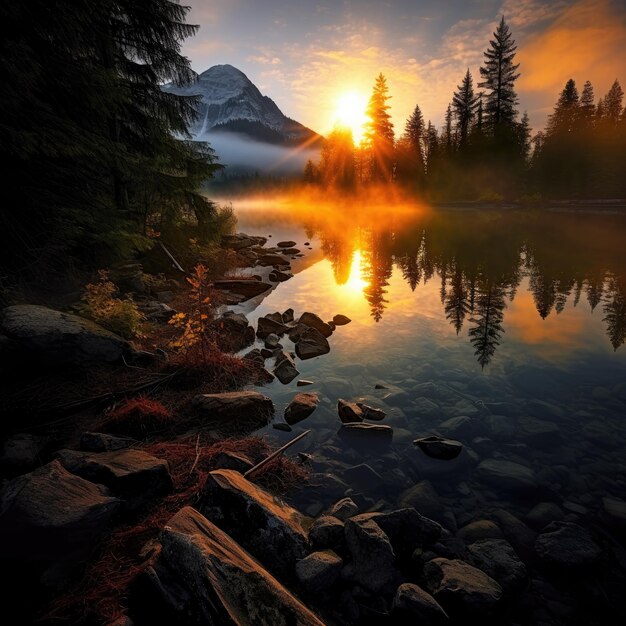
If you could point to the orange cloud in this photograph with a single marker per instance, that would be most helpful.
(586, 42)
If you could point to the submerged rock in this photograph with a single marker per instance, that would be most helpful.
(55, 338)
(53, 515)
(268, 528)
(507, 474)
(203, 576)
(439, 448)
(566, 544)
(301, 407)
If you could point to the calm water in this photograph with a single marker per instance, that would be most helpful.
(514, 320)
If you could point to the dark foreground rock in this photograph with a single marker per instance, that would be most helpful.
(319, 571)
(245, 289)
(439, 448)
(497, 558)
(268, 528)
(202, 576)
(236, 405)
(55, 338)
(314, 321)
(413, 605)
(311, 343)
(356, 433)
(20, 452)
(233, 331)
(52, 515)
(285, 368)
(133, 475)
(565, 544)
(301, 407)
(349, 412)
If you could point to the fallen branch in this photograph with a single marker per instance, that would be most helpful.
(176, 264)
(271, 457)
(193, 467)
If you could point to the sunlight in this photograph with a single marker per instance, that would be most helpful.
(355, 282)
(350, 113)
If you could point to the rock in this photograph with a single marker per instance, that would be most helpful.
(439, 448)
(266, 326)
(516, 532)
(349, 411)
(544, 513)
(304, 383)
(246, 288)
(20, 452)
(232, 460)
(302, 405)
(327, 532)
(272, 342)
(319, 571)
(273, 260)
(406, 529)
(341, 320)
(52, 515)
(202, 576)
(285, 368)
(269, 529)
(276, 276)
(422, 497)
(364, 478)
(461, 588)
(287, 316)
(233, 331)
(461, 426)
(54, 338)
(480, 529)
(540, 434)
(372, 555)
(311, 343)
(497, 559)
(133, 475)
(371, 413)
(615, 511)
(314, 321)
(165, 296)
(565, 544)
(282, 426)
(286, 244)
(363, 433)
(236, 405)
(343, 509)
(103, 442)
(256, 357)
(238, 241)
(507, 475)
(413, 605)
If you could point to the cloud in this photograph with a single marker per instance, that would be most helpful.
(264, 60)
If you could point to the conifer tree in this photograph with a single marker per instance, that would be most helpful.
(587, 106)
(379, 134)
(414, 133)
(613, 104)
(499, 74)
(447, 133)
(464, 103)
(566, 112)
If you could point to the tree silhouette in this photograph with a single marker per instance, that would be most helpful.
(487, 319)
(336, 168)
(464, 103)
(615, 314)
(613, 104)
(457, 304)
(566, 114)
(379, 132)
(415, 137)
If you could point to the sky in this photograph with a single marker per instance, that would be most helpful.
(305, 54)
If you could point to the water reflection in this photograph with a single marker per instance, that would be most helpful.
(479, 259)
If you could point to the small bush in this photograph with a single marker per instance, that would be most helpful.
(137, 417)
(103, 307)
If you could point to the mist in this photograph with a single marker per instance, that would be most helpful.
(242, 155)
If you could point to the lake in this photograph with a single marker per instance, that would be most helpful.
(503, 330)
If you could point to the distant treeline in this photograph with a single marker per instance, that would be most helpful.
(485, 151)
(92, 162)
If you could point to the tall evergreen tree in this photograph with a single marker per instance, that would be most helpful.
(464, 103)
(379, 134)
(613, 104)
(565, 116)
(587, 105)
(448, 137)
(499, 74)
(414, 133)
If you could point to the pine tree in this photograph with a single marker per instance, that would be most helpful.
(587, 106)
(523, 135)
(613, 104)
(447, 133)
(499, 75)
(414, 133)
(464, 103)
(566, 112)
(379, 134)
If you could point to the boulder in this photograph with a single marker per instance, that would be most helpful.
(461, 588)
(52, 515)
(266, 327)
(497, 558)
(366, 433)
(566, 545)
(301, 407)
(236, 405)
(507, 475)
(285, 368)
(202, 576)
(343, 509)
(311, 343)
(272, 260)
(372, 556)
(272, 342)
(439, 448)
(246, 288)
(286, 244)
(103, 442)
(56, 339)
(413, 605)
(422, 497)
(516, 533)
(341, 320)
(314, 321)
(319, 571)
(269, 529)
(544, 513)
(349, 411)
(326, 532)
(133, 475)
(288, 316)
(234, 333)
(480, 529)
(371, 413)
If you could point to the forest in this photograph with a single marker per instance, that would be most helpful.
(485, 150)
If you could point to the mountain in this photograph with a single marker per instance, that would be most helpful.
(231, 103)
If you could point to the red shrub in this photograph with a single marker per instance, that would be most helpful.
(137, 417)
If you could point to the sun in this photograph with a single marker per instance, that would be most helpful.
(350, 113)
